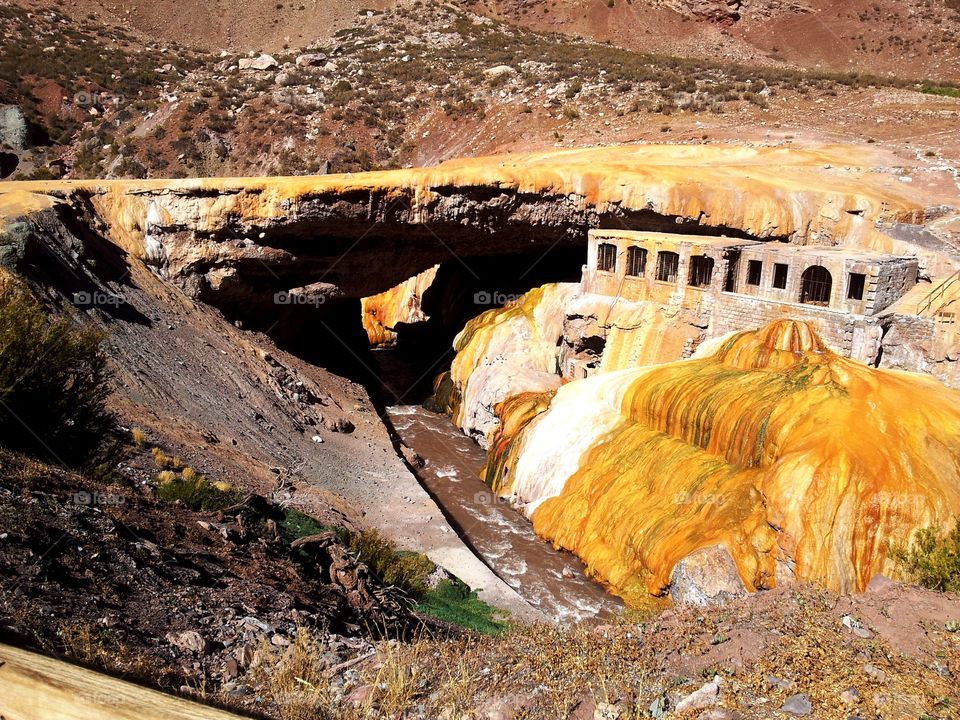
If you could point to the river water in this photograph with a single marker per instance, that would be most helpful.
(552, 580)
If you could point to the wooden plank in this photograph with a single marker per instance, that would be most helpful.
(35, 687)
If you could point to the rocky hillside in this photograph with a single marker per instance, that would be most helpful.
(412, 86)
(233, 607)
(876, 36)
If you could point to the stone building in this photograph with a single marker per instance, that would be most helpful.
(725, 284)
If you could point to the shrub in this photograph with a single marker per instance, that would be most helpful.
(164, 461)
(945, 90)
(933, 560)
(194, 490)
(54, 383)
(401, 568)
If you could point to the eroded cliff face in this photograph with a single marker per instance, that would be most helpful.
(382, 313)
(796, 461)
(503, 352)
(232, 240)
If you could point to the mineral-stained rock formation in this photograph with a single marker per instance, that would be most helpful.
(232, 240)
(616, 442)
(239, 244)
(503, 352)
(400, 304)
(773, 447)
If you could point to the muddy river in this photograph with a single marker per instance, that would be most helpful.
(552, 580)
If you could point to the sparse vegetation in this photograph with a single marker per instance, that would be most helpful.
(932, 559)
(294, 681)
(230, 122)
(944, 90)
(400, 568)
(164, 461)
(194, 490)
(54, 383)
(296, 524)
(139, 437)
(450, 600)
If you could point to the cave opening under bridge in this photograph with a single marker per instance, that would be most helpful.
(332, 336)
(483, 262)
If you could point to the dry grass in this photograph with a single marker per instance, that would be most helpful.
(545, 672)
(813, 651)
(164, 461)
(400, 681)
(194, 490)
(293, 680)
(99, 647)
(139, 437)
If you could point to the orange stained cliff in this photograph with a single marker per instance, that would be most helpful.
(794, 459)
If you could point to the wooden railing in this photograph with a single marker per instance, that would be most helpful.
(36, 687)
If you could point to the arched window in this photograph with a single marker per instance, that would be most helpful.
(607, 257)
(816, 286)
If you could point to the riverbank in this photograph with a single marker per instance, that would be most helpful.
(553, 581)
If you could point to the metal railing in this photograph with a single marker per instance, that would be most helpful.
(937, 294)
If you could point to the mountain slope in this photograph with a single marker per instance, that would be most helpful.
(914, 39)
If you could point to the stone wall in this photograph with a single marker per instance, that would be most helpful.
(922, 344)
(853, 336)
(887, 278)
(892, 282)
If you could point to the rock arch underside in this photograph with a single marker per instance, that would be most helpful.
(650, 427)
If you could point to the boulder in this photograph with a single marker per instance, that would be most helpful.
(311, 60)
(14, 132)
(723, 12)
(701, 699)
(499, 71)
(798, 705)
(706, 577)
(338, 425)
(189, 641)
(17, 242)
(263, 62)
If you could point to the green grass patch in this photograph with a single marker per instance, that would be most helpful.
(943, 90)
(455, 602)
(933, 560)
(451, 600)
(296, 525)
